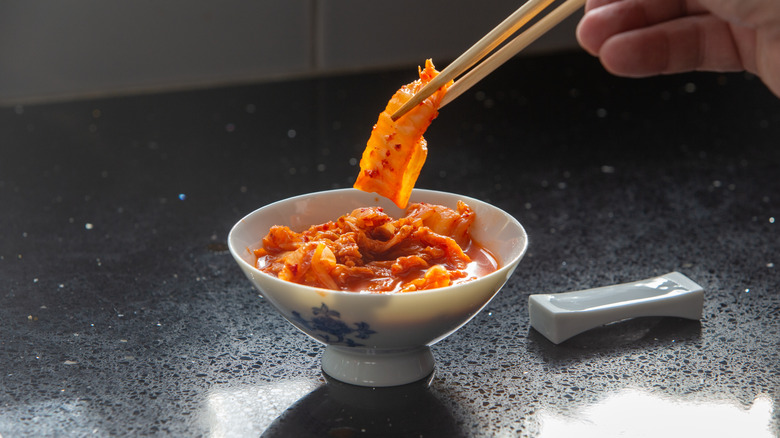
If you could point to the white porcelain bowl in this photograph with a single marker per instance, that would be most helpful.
(377, 339)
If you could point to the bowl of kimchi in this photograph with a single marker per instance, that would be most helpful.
(373, 337)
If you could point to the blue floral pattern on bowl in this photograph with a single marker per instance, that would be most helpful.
(332, 329)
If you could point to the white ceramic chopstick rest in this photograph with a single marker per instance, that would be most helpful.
(560, 316)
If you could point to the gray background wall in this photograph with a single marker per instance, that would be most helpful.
(64, 49)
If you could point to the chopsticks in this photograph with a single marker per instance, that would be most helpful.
(486, 44)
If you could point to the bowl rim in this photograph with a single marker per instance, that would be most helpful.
(500, 271)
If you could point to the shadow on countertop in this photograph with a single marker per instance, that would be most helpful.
(341, 410)
(634, 333)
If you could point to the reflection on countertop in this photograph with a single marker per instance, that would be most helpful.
(303, 408)
(306, 408)
(638, 413)
(249, 410)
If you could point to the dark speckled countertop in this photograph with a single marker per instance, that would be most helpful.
(122, 313)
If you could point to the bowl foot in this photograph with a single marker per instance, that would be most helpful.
(376, 367)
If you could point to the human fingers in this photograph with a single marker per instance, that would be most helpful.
(748, 13)
(768, 59)
(645, 37)
(593, 4)
(611, 17)
(701, 42)
(763, 17)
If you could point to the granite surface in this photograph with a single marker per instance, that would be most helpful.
(122, 313)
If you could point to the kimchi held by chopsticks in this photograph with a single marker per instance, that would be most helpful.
(368, 251)
(396, 150)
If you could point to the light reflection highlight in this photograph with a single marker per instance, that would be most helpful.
(249, 410)
(636, 413)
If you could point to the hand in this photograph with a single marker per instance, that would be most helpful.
(638, 38)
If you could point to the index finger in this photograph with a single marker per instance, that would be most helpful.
(605, 18)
